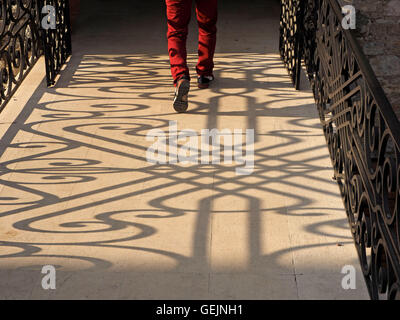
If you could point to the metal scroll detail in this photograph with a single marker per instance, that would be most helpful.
(289, 38)
(363, 136)
(22, 41)
(57, 42)
(19, 44)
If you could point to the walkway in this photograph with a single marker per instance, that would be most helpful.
(77, 192)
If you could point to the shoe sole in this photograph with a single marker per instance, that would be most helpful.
(180, 103)
(203, 85)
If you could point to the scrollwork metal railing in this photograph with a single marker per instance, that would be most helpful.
(289, 41)
(57, 41)
(23, 41)
(362, 133)
(20, 44)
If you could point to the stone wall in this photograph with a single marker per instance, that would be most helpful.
(378, 28)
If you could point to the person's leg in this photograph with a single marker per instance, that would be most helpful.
(207, 21)
(178, 17)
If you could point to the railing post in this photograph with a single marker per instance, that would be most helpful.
(57, 41)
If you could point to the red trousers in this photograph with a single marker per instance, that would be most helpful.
(178, 16)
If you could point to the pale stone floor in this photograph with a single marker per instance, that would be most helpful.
(77, 192)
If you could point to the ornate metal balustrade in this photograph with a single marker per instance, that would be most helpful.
(361, 129)
(19, 43)
(289, 40)
(57, 42)
(23, 41)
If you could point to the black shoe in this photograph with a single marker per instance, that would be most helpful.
(204, 81)
(181, 95)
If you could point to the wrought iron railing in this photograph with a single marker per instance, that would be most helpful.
(289, 40)
(20, 45)
(362, 133)
(23, 41)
